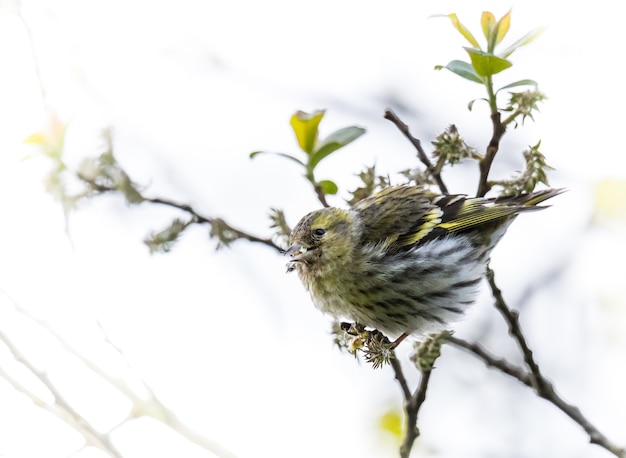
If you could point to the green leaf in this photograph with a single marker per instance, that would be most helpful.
(487, 64)
(305, 127)
(463, 69)
(530, 36)
(286, 156)
(328, 187)
(519, 83)
(461, 28)
(333, 142)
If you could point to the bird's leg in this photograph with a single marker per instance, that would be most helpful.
(354, 329)
(399, 340)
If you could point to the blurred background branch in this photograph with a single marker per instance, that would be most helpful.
(144, 401)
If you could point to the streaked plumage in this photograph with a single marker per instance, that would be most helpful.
(404, 260)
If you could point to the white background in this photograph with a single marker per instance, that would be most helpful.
(226, 339)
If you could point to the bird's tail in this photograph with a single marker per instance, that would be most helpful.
(530, 201)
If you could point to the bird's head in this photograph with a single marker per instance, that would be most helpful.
(322, 239)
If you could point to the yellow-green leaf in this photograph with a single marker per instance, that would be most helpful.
(503, 26)
(498, 31)
(36, 139)
(328, 187)
(486, 64)
(487, 21)
(305, 127)
(463, 30)
(50, 138)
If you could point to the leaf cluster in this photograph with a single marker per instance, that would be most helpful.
(534, 173)
(450, 149)
(306, 129)
(486, 61)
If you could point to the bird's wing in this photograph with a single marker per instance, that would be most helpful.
(463, 214)
(402, 217)
(397, 216)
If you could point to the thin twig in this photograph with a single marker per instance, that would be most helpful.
(512, 319)
(412, 407)
(197, 217)
(397, 370)
(490, 360)
(421, 154)
(412, 402)
(320, 195)
(208, 220)
(535, 379)
(492, 149)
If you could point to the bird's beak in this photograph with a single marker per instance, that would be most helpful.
(294, 250)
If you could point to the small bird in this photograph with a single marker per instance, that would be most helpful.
(405, 260)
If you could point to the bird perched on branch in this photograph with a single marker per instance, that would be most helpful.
(404, 260)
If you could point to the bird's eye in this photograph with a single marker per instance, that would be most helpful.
(319, 232)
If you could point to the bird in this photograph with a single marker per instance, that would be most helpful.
(404, 261)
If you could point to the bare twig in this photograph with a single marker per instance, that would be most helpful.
(197, 217)
(397, 370)
(421, 154)
(492, 149)
(493, 361)
(414, 401)
(208, 220)
(320, 195)
(534, 378)
(412, 407)
(512, 319)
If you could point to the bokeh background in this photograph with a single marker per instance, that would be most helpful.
(224, 338)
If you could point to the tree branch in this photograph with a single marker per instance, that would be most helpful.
(534, 378)
(200, 219)
(421, 154)
(492, 361)
(319, 192)
(197, 217)
(512, 319)
(426, 353)
(492, 149)
(399, 374)
(412, 407)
